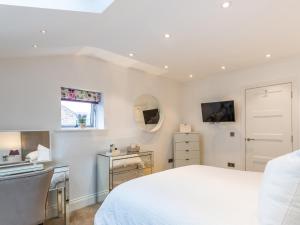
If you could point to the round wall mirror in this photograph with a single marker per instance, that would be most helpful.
(147, 113)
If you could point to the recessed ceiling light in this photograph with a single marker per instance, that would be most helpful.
(167, 36)
(131, 54)
(268, 55)
(166, 67)
(191, 75)
(226, 5)
(43, 31)
(35, 46)
(223, 67)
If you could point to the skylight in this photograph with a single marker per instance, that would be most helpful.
(95, 6)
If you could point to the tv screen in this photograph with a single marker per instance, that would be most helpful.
(151, 116)
(218, 112)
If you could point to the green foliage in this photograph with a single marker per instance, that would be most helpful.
(81, 119)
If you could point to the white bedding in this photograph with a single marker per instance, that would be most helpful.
(193, 195)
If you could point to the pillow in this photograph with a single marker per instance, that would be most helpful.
(43, 153)
(32, 156)
(279, 202)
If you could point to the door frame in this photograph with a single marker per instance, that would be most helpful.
(294, 111)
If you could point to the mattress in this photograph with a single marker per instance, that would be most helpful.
(192, 195)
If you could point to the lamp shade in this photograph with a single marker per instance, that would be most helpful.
(10, 141)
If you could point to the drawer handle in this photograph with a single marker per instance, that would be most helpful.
(187, 142)
(187, 150)
(187, 159)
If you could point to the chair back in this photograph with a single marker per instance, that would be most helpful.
(23, 198)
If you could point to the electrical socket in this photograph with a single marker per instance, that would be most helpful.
(231, 165)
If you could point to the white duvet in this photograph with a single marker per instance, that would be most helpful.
(193, 195)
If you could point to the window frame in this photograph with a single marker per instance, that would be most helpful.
(93, 116)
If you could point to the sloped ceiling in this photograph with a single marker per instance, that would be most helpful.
(204, 36)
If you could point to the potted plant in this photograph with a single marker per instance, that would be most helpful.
(81, 120)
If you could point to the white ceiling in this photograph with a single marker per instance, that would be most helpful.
(204, 36)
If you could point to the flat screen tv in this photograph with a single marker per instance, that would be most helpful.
(216, 112)
(151, 116)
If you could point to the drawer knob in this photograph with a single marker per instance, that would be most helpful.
(187, 150)
(186, 142)
(187, 159)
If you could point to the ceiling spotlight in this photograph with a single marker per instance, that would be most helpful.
(223, 67)
(226, 5)
(131, 54)
(167, 36)
(166, 67)
(191, 75)
(43, 31)
(268, 56)
(35, 46)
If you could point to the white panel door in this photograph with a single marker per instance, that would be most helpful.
(268, 124)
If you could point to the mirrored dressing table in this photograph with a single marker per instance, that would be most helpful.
(19, 147)
(60, 187)
(114, 170)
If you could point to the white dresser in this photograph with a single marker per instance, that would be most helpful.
(186, 149)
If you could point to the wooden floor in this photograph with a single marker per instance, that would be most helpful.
(83, 216)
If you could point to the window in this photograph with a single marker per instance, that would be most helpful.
(71, 111)
(95, 6)
(79, 108)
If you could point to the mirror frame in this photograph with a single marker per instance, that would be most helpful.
(161, 115)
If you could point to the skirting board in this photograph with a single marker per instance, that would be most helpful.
(87, 200)
(78, 203)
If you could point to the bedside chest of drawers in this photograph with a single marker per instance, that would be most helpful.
(115, 170)
(186, 149)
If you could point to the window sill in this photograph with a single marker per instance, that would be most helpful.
(87, 129)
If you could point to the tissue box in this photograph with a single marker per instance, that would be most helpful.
(113, 153)
(185, 128)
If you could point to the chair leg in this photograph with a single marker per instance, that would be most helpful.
(57, 203)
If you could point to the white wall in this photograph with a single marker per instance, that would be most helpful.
(218, 147)
(30, 100)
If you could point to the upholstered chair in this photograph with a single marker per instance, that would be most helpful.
(23, 198)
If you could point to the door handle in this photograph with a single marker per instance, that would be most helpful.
(250, 139)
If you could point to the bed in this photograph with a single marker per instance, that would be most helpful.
(192, 195)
